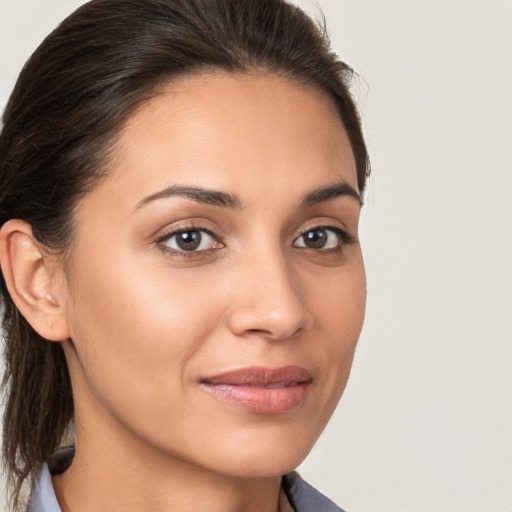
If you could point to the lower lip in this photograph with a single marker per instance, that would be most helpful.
(261, 400)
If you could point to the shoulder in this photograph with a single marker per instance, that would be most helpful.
(305, 498)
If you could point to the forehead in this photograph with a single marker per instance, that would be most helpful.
(244, 134)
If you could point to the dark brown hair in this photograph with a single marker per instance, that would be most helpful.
(67, 107)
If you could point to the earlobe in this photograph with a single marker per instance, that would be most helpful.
(28, 273)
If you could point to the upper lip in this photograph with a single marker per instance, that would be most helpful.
(261, 376)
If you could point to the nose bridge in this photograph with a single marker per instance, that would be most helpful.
(269, 299)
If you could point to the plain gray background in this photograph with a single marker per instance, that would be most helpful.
(426, 420)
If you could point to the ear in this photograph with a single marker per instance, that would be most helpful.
(32, 281)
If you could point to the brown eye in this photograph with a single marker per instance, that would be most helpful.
(320, 238)
(190, 240)
(315, 239)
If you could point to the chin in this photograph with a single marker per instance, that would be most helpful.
(265, 457)
(274, 465)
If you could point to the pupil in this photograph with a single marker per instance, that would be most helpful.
(188, 240)
(315, 239)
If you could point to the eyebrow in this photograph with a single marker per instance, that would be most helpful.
(321, 194)
(223, 199)
(198, 194)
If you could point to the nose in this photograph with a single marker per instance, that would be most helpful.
(268, 301)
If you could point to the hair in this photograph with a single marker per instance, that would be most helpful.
(59, 127)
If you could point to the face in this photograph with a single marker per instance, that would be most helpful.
(217, 288)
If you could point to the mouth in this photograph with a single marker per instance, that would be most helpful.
(261, 390)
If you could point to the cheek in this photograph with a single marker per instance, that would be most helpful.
(135, 329)
(339, 309)
(338, 303)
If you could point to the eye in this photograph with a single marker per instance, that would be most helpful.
(189, 240)
(322, 238)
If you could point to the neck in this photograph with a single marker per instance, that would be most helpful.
(120, 472)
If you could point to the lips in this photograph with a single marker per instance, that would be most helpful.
(261, 390)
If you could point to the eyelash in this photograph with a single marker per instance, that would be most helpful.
(344, 238)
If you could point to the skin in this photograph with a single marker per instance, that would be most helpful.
(142, 324)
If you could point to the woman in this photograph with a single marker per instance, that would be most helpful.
(181, 184)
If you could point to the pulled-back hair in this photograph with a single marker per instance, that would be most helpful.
(69, 104)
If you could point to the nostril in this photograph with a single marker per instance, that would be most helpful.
(275, 335)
